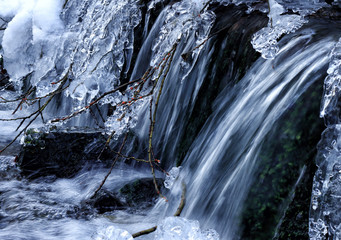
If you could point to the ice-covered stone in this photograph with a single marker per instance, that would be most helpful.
(265, 40)
(177, 228)
(113, 233)
(182, 18)
(325, 212)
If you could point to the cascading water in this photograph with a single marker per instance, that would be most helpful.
(221, 161)
(92, 44)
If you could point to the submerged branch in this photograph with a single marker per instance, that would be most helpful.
(176, 214)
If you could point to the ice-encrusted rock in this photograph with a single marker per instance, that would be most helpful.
(265, 40)
(177, 228)
(113, 233)
(325, 212)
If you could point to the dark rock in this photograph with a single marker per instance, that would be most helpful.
(134, 196)
(141, 193)
(61, 154)
(333, 12)
(4, 77)
(106, 202)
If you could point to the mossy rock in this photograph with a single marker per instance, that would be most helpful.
(61, 154)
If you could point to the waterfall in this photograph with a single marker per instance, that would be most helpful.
(220, 164)
(73, 55)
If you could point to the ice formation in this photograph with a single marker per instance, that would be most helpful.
(332, 83)
(171, 228)
(177, 228)
(93, 42)
(42, 41)
(325, 213)
(113, 233)
(265, 40)
(171, 177)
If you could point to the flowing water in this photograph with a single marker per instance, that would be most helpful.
(222, 159)
(93, 42)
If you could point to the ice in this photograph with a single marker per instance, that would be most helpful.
(42, 40)
(113, 233)
(332, 82)
(265, 40)
(170, 228)
(182, 19)
(325, 212)
(317, 230)
(177, 228)
(171, 177)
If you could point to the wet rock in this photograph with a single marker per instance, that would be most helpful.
(136, 195)
(140, 193)
(4, 77)
(61, 154)
(107, 202)
(332, 12)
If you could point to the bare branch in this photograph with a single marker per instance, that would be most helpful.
(176, 214)
(112, 166)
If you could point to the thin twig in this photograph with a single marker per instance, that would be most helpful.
(153, 119)
(2, 19)
(94, 117)
(24, 98)
(146, 76)
(182, 201)
(133, 158)
(106, 145)
(64, 5)
(41, 113)
(112, 166)
(176, 214)
(94, 102)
